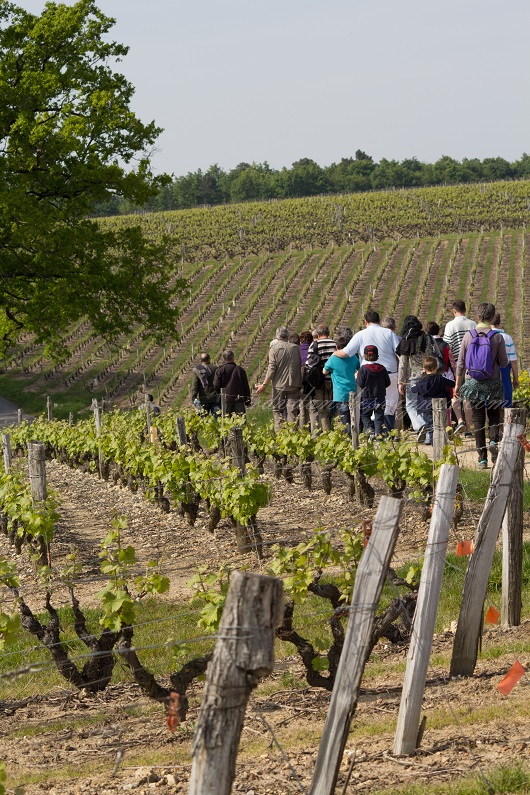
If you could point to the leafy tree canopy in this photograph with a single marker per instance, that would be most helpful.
(68, 139)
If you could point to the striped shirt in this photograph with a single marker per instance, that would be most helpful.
(325, 348)
(510, 345)
(454, 333)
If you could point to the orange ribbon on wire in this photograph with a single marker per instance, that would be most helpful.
(492, 616)
(515, 673)
(464, 548)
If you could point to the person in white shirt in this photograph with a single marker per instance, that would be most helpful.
(511, 372)
(386, 343)
(454, 334)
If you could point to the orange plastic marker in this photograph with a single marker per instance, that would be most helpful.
(464, 548)
(492, 616)
(367, 530)
(512, 677)
(173, 719)
(524, 442)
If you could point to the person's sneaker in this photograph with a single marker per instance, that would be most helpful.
(460, 427)
(422, 433)
(494, 451)
(482, 464)
(468, 435)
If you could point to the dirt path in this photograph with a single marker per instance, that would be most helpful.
(9, 413)
(88, 505)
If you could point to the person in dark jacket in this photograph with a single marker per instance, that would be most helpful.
(431, 384)
(233, 378)
(203, 394)
(373, 380)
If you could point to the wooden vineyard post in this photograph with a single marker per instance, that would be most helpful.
(148, 416)
(405, 741)
(181, 431)
(71, 419)
(6, 447)
(439, 422)
(223, 402)
(49, 409)
(512, 546)
(19, 417)
(97, 422)
(247, 536)
(237, 446)
(37, 471)
(244, 653)
(353, 420)
(37, 482)
(369, 580)
(467, 636)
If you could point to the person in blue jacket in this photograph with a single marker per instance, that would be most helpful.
(343, 381)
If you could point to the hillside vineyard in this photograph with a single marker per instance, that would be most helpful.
(251, 268)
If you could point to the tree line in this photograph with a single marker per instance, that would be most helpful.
(258, 181)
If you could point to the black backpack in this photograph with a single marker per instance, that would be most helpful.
(312, 372)
(435, 351)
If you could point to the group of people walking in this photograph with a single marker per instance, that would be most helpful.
(473, 366)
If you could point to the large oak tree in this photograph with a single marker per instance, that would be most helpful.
(68, 139)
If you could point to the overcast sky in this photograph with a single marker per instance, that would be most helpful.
(277, 80)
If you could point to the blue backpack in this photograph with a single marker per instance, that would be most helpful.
(479, 359)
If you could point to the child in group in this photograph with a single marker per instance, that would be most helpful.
(431, 384)
(373, 379)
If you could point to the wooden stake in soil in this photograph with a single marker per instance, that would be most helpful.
(49, 411)
(243, 654)
(37, 482)
(148, 416)
(512, 546)
(353, 420)
(369, 580)
(237, 445)
(181, 430)
(405, 741)
(223, 402)
(97, 422)
(467, 636)
(37, 471)
(19, 417)
(6, 447)
(439, 422)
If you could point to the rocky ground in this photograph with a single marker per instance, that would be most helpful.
(69, 742)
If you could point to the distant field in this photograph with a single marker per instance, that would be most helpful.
(237, 301)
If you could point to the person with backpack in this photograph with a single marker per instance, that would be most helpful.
(317, 386)
(233, 379)
(343, 380)
(482, 354)
(431, 384)
(203, 394)
(433, 329)
(454, 334)
(415, 344)
(285, 374)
